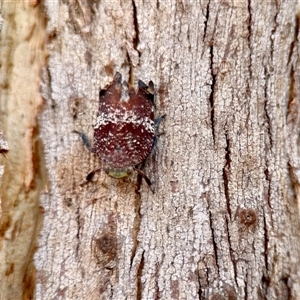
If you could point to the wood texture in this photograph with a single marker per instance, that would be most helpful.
(22, 54)
(223, 222)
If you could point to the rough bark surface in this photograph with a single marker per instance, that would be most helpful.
(22, 54)
(223, 222)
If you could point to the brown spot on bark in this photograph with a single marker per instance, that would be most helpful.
(10, 269)
(109, 69)
(29, 283)
(76, 104)
(247, 216)
(175, 289)
(106, 243)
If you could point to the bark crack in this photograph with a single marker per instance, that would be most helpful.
(249, 36)
(268, 119)
(214, 242)
(139, 276)
(246, 286)
(199, 292)
(273, 31)
(266, 241)
(231, 253)
(294, 42)
(156, 287)
(136, 223)
(157, 5)
(211, 96)
(268, 179)
(78, 230)
(226, 171)
(292, 114)
(206, 21)
(136, 38)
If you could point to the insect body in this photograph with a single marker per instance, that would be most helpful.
(124, 133)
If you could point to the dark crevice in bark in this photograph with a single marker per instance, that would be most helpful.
(266, 107)
(156, 275)
(157, 4)
(250, 35)
(231, 253)
(291, 90)
(211, 96)
(131, 70)
(273, 32)
(293, 126)
(199, 292)
(292, 113)
(246, 286)
(268, 143)
(139, 276)
(266, 242)
(263, 291)
(226, 171)
(78, 231)
(136, 39)
(215, 243)
(285, 287)
(206, 21)
(46, 87)
(294, 43)
(293, 183)
(136, 223)
(268, 180)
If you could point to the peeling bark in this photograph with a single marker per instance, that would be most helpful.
(22, 56)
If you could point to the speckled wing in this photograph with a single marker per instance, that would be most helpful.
(124, 130)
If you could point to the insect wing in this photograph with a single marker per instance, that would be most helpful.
(125, 130)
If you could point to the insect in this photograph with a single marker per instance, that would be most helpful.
(125, 130)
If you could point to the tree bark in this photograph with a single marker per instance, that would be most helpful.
(22, 54)
(223, 222)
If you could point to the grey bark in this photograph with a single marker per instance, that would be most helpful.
(223, 222)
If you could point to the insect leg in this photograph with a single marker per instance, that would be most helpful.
(158, 121)
(146, 178)
(85, 140)
(90, 176)
(156, 125)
